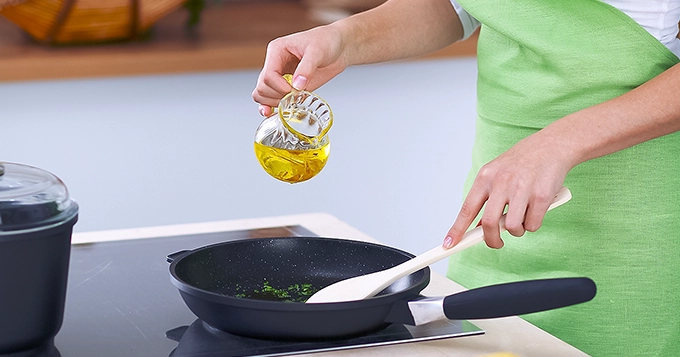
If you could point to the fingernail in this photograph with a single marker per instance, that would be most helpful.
(448, 241)
(299, 82)
(262, 109)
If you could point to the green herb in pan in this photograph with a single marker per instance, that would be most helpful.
(292, 293)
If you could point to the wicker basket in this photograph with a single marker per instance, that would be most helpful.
(86, 21)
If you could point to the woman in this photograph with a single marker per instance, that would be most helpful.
(580, 93)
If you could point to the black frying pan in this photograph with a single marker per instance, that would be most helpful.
(211, 280)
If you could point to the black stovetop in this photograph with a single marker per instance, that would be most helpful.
(120, 302)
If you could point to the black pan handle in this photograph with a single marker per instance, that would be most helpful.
(518, 298)
(171, 257)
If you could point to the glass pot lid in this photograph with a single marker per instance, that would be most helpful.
(31, 198)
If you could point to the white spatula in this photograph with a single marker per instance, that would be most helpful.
(368, 285)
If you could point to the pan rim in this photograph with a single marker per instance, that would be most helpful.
(214, 297)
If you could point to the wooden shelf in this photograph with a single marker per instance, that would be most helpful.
(231, 36)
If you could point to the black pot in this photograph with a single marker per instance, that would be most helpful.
(36, 221)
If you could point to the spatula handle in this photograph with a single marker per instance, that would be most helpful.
(470, 238)
(368, 285)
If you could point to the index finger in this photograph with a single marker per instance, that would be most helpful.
(470, 209)
(278, 61)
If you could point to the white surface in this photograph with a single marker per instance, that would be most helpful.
(158, 150)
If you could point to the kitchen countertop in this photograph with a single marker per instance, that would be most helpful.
(510, 334)
(232, 35)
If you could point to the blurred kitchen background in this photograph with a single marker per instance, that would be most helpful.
(151, 121)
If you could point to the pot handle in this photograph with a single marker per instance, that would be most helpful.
(172, 257)
(501, 300)
(518, 298)
(176, 333)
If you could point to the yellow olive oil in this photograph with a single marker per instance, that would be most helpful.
(292, 165)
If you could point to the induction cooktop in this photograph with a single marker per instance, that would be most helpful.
(120, 302)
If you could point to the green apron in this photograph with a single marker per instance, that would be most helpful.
(539, 60)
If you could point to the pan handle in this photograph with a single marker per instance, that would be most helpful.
(509, 299)
(172, 257)
(518, 298)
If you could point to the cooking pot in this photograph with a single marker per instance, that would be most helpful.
(36, 220)
(216, 282)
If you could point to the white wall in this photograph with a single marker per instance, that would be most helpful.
(141, 151)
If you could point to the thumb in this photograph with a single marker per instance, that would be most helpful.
(299, 82)
(304, 72)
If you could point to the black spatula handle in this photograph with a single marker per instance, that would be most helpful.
(518, 298)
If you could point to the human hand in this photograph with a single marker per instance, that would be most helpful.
(525, 179)
(313, 56)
